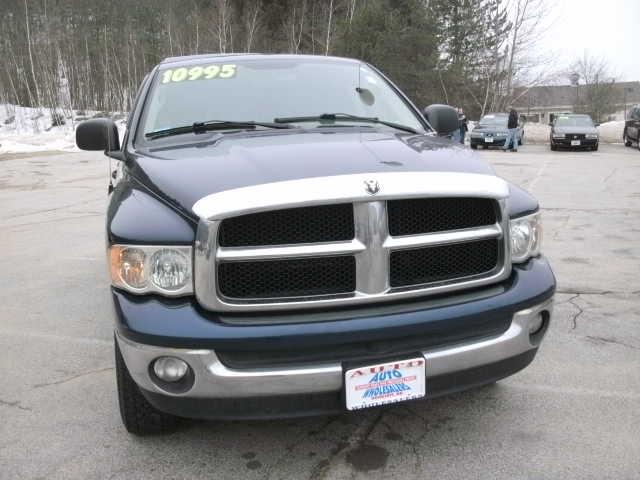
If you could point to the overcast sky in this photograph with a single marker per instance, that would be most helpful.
(606, 28)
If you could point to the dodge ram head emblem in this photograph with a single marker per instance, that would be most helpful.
(372, 186)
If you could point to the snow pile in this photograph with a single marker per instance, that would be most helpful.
(27, 129)
(536, 132)
(611, 132)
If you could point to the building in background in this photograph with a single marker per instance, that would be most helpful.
(538, 104)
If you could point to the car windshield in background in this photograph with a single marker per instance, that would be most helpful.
(264, 90)
(494, 121)
(574, 121)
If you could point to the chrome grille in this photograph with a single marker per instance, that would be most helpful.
(324, 223)
(396, 250)
(426, 215)
(443, 263)
(299, 277)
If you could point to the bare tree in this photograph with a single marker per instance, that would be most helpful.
(597, 95)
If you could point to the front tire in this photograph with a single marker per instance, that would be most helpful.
(625, 139)
(553, 147)
(138, 415)
(474, 146)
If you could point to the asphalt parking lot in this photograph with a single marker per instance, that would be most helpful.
(574, 413)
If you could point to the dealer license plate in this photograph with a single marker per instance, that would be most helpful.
(575, 143)
(384, 383)
(488, 140)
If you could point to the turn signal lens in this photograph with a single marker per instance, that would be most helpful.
(128, 267)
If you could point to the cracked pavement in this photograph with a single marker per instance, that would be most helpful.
(573, 413)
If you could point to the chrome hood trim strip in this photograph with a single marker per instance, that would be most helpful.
(347, 188)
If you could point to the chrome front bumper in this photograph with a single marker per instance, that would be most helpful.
(212, 379)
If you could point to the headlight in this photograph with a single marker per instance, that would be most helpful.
(592, 135)
(526, 236)
(147, 269)
(558, 135)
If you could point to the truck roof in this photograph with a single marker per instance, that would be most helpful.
(190, 59)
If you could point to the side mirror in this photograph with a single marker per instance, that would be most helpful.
(98, 134)
(443, 118)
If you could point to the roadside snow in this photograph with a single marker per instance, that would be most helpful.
(26, 129)
(611, 132)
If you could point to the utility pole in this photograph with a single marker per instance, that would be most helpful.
(574, 78)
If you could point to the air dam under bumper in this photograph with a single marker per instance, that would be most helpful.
(221, 392)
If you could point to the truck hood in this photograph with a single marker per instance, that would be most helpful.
(183, 174)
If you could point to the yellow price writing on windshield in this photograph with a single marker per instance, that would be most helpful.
(199, 72)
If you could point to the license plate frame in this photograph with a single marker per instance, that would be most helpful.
(384, 383)
(488, 140)
(575, 143)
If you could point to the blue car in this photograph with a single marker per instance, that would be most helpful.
(492, 131)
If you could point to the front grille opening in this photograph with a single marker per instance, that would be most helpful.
(427, 215)
(443, 263)
(325, 223)
(301, 277)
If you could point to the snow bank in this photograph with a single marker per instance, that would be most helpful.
(611, 132)
(536, 133)
(26, 129)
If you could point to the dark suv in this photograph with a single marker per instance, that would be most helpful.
(573, 131)
(632, 127)
(288, 235)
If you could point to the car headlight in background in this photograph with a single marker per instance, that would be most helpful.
(526, 236)
(558, 135)
(150, 269)
(592, 135)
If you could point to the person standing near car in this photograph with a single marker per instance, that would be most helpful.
(512, 126)
(462, 119)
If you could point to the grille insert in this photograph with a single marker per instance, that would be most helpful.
(427, 215)
(300, 277)
(325, 223)
(442, 263)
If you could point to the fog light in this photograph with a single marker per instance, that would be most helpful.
(535, 324)
(170, 369)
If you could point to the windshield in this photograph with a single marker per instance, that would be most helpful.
(265, 89)
(494, 121)
(574, 121)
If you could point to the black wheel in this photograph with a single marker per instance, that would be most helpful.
(638, 139)
(138, 415)
(625, 139)
(474, 146)
(553, 147)
(595, 149)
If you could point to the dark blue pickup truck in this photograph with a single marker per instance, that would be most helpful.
(288, 235)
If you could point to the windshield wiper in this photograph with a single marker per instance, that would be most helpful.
(344, 116)
(201, 127)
